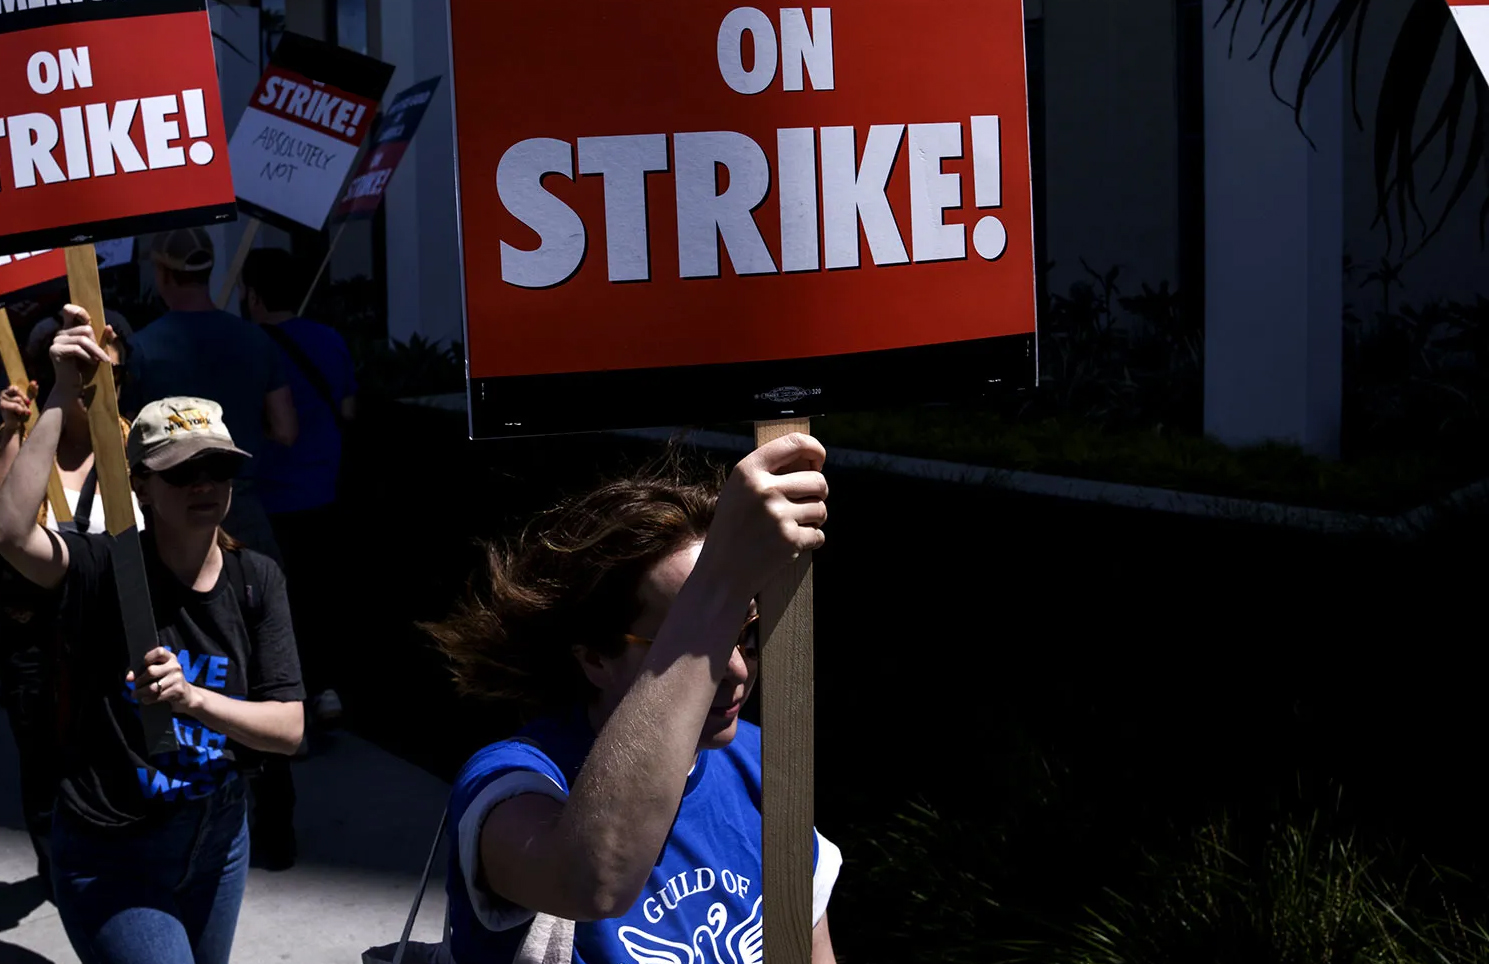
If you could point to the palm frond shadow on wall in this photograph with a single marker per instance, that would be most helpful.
(1429, 144)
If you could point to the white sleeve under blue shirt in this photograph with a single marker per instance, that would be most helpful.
(702, 901)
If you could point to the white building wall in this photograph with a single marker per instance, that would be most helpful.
(424, 281)
(1274, 235)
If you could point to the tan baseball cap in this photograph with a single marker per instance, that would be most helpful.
(185, 249)
(176, 430)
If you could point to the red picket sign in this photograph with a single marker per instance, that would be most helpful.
(110, 123)
(21, 271)
(695, 210)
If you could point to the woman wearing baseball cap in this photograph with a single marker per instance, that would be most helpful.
(150, 853)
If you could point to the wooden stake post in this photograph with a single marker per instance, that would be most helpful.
(118, 508)
(250, 231)
(787, 744)
(15, 373)
(321, 272)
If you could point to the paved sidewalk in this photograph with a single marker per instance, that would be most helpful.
(365, 820)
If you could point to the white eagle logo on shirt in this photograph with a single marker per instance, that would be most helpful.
(745, 944)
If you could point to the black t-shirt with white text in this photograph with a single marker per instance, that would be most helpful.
(107, 780)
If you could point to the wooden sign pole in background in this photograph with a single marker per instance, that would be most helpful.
(786, 743)
(250, 231)
(15, 373)
(118, 508)
(325, 263)
(341, 229)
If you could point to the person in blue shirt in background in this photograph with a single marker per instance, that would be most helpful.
(196, 350)
(299, 483)
(622, 825)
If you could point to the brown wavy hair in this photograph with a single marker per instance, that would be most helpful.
(572, 577)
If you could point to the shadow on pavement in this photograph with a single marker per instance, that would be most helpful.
(17, 901)
(10, 954)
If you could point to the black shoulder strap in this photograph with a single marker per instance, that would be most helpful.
(83, 516)
(249, 596)
(308, 368)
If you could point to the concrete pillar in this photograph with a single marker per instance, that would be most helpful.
(1274, 239)
(423, 254)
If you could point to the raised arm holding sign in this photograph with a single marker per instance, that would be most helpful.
(710, 212)
(22, 386)
(625, 623)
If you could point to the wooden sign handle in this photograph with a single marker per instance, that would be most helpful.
(787, 747)
(321, 273)
(15, 365)
(15, 373)
(235, 270)
(101, 399)
(112, 466)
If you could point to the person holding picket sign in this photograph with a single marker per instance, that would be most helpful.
(150, 854)
(625, 622)
(75, 450)
(27, 627)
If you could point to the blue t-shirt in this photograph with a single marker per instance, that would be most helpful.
(211, 355)
(303, 476)
(702, 901)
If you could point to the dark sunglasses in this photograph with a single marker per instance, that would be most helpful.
(748, 643)
(214, 468)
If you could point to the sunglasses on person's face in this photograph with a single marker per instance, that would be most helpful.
(748, 643)
(196, 471)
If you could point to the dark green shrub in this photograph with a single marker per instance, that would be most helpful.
(1299, 892)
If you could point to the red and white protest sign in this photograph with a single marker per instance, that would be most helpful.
(21, 271)
(1472, 17)
(304, 124)
(696, 185)
(110, 122)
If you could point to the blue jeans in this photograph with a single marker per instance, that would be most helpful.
(169, 894)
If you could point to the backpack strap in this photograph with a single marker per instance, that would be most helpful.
(413, 914)
(308, 368)
(83, 517)
(250, 597)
